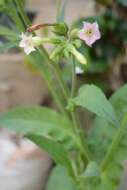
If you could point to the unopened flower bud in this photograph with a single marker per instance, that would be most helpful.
(61, 29)
(78, 55)
(74, 33)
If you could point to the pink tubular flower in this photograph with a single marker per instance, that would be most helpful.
(90, 33)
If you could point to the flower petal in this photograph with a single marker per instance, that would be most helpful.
(90, 33)
(28, 50)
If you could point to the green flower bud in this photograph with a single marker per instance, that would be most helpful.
(61, 29)
(38, 41)
(74, 33)
(78, 55)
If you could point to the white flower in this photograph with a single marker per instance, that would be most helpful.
(27, 43)
(78, 70)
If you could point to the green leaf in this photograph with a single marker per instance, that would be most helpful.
(92, 170)
(119, 101)
(106, 183)
(116, 154)
(114, 170)
(101, 132)
(100, 139)
(60, 180)
(9, 7)
(8, 33)
(93, 99)
(42, 121)
(56, 151)
(2, 2)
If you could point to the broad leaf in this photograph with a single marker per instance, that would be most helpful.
(93, 99)
(92, 170)
(56, 151)
(9, 7)
(101, 132)
(102, 135)
(39, 120)
(59, 180)
(119, 101)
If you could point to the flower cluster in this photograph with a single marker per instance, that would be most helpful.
(64, 45)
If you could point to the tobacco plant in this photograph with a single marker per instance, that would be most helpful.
(86, 159)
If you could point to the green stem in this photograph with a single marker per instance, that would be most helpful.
(58, 3)
(22, 13)
(50, 86)
(56, 98)
(61, 81)
(73, 78)
(83, 145)
(58, 73)
(15, 17)
(115, 143)
(76, 124)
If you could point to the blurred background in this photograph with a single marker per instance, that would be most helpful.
(23, 166)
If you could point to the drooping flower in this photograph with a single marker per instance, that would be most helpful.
(27, 43)
(78, 70)
(90, 33)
